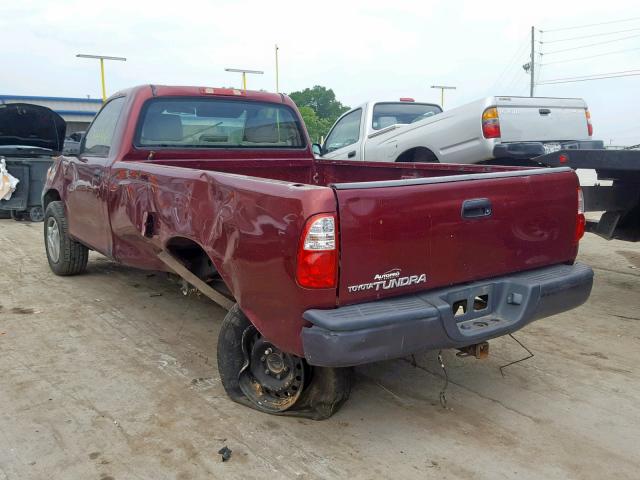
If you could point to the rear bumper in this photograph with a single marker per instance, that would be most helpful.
(400, 326)
(529, 150)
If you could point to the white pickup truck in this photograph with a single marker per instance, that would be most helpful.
(497, 130)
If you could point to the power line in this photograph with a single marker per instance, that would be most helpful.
(511, 63)
(590, 36)
(591, 56)
(515, 79)
(587, 79)
(593, 75)
(591, 25)
(590, 79)
(591, 45)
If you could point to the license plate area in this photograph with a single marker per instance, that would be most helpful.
(473, 310)
(551, 147)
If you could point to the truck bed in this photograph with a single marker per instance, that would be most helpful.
(407, 218)
(329, 172)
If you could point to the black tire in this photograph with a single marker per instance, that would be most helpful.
(418, 155)
(325, 389)
(18, 215)
(72, 256)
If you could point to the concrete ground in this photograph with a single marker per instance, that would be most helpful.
(112, 375)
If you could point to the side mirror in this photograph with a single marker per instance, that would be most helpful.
(317, 149)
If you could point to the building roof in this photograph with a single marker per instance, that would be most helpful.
(50, 99)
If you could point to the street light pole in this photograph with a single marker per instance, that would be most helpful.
(102, 58)
(277, 72)
(244, 72)
(442, 89)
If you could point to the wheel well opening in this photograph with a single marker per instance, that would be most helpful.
(418, 154)
(193, 257)
(50, 196)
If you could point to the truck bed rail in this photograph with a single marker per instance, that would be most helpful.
(447, 178)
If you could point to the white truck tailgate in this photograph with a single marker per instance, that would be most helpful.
(541, 119)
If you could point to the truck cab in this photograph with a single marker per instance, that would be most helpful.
(348, 138)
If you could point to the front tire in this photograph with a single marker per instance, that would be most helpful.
(65, 256)
(257, 374)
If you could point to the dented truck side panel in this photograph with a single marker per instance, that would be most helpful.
(249, 228)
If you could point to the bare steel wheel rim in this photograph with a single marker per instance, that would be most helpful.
(53, 239)
(270, 378)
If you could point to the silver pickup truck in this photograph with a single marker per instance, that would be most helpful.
(497, 130)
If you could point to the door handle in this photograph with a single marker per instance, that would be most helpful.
(476, 208)
(351, 154)
(544, 111)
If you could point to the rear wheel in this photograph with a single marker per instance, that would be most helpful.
(418, 155)
(65, 256)
(255, 373)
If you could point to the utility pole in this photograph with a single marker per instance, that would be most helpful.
(277, 73)
(442, 89)
(102, 58)
(244, 72)
(533, 61)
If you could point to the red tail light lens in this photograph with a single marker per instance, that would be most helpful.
(581, 222)
(491, 123)
(589, 125)
(317, 253)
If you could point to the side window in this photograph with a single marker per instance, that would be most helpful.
(100, 134)
(346, 132)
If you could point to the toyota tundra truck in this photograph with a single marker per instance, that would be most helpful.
(322, 265)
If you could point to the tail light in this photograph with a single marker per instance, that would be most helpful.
(317, 253)
(589, 125)
(490, 123)
(581, 222)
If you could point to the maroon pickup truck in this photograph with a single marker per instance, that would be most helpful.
(322, 264)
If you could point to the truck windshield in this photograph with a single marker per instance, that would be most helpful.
(212, 122)
(387, 114)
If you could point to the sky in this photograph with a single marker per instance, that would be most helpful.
(361, 49)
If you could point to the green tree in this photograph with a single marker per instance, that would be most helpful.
(317, 127)
(319, 109)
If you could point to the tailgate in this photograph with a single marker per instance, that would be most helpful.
(403, 236)
(541, 119)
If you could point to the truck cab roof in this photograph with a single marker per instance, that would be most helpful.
(196, 91)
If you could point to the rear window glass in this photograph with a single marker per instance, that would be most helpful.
(213, 122)
(387, 114)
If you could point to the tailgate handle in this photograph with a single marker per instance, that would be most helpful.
(476, 208)
(544, 111)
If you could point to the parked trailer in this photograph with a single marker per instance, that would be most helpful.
(620, 201)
